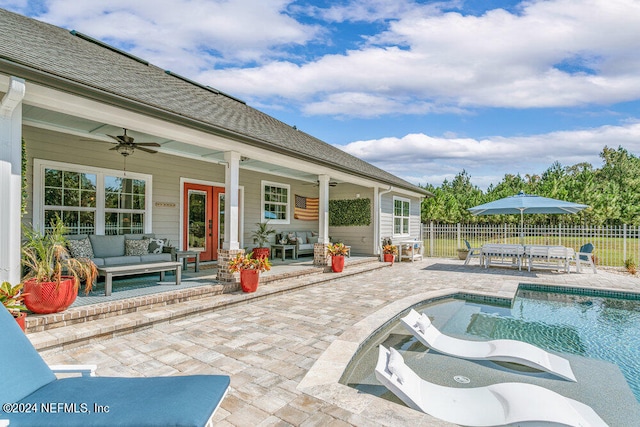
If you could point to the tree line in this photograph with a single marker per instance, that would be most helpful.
(612, 193)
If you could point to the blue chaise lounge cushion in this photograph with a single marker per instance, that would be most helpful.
(136, 402)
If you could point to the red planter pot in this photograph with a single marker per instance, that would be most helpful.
(49, 297)
(337, 263)
(259, 253)
(249, 280)
(388, 257)
(22, 320)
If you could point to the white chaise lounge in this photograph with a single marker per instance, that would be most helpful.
(496, 350)
(495, 405)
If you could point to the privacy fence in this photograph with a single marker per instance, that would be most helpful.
(613, 245)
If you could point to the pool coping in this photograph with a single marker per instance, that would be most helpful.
(322, 380)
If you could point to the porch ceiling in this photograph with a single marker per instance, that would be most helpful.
(89, 129)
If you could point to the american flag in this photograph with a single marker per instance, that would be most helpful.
(306, 208)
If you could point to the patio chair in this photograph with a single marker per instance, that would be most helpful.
(44, 400)
(584, 255)
(493, 405)
(473, 253)
(512, 351)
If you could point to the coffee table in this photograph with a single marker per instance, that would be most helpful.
(111, 271)
(283, 250)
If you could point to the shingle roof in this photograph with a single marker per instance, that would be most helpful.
(70, 62)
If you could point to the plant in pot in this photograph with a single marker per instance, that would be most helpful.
(389, 253)
(53, 276)
(12, 298)
(249, 268)
(261, 237)
(337, 252)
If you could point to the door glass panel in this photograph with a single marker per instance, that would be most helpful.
(197, 220)
(220, 220)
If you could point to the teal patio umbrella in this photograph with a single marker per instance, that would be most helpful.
(523, 203)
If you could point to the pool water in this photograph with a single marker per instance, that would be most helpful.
(596, 327)
(592, 327)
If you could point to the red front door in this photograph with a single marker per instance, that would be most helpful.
(202, 212)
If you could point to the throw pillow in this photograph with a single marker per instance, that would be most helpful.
(80, 248)
(157, 245)
(312, 240)
(291, 237)
(423, 323)
(136, 247)
(396, 365)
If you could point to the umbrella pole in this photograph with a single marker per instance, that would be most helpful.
(522, 227)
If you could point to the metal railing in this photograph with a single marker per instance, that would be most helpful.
(613, 244)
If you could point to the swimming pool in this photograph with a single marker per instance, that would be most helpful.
(591, 325)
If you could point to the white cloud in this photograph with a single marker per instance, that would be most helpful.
(554, 53)
(187, 35)
(432, 159)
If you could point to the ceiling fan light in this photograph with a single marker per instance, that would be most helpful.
(125, 150)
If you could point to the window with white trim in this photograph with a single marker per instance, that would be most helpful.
(401, 209)
(91, 200)
(276, 199)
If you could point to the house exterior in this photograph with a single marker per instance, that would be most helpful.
(219, 168)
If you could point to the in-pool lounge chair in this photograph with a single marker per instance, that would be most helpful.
(496, 350)
(494, 405)
(33, 396)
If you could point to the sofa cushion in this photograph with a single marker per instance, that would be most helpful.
(312, 240)
(136, 247)
(99, 262)
(107, 246)
(115, 260)
(80, 248)
(157, 245)
(156, 257)
(305, 247)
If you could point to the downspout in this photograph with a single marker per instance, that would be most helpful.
(378, 225)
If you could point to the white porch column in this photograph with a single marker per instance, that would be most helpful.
(320, 249)
(231, 200)
(11, 180)
(323, 206)
(231, 245)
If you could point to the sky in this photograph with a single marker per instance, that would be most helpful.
(422, 89)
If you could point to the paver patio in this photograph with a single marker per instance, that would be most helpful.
(268, 345)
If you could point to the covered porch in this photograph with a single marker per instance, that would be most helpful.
(146, 301)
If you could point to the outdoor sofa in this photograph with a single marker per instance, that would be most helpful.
(304, 240)
(120, 249)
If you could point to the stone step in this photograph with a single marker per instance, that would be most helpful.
(84, 325)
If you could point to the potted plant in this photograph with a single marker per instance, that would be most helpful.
(389, 253)
(11, 297)
(261, 237)
(249, 268)
(337, 252)
(462, 253)
(53, 277)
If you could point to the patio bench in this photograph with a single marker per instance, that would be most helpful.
(111, 271)
(549, 257)
(497, 251)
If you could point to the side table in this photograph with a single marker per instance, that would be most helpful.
(185, 255)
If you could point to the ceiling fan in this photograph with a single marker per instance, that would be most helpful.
(317, 184)
(126, 146)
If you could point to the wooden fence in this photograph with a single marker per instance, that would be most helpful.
(613, 245)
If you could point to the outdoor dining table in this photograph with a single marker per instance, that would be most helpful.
(528, 255)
